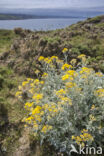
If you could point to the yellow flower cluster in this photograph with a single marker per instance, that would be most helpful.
(99, 74)
(28, 120)
(46, 128)
(37, 97)
(31, 86)
(36, 110)
(21, 88)
(70, 74)
(54, 58)
(70, 84)
(86, 70)
(45, 75)
(37, 114)
(83, 138)
(63, 98)
(66, 66)
(35, 118)
(60, 92)
(24, 83)
(65, 77)
(49, 60)
(18, 94)
(100, 92)
(28, 105)
(51, 108)
(41, 58)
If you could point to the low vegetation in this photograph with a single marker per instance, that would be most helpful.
(6, 39)
(11, 111)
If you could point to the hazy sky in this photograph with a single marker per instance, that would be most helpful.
(49, 3)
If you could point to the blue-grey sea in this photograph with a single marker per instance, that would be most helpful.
(39, 24)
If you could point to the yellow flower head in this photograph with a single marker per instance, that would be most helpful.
(46, 128)
(18, 94)
(47, 60)
(54, 58)
(86, 70)
(60, 92)
(36, 110)
(70, 85)
(72, 73)
(81, 56)
(66, 100)
(73, 137)
(24, 83)
(85, 136)
(20, 87)
(28, 104)
(99, 74)
(29, 79)
(93, 107)
(41, 58)
(45, 75)
(35, 126)
(100, 92)
(65, 77)
(37, 96)
(36, 82)
(66, 66)
(64, 50)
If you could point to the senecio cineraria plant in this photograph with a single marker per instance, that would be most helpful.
(66, 105)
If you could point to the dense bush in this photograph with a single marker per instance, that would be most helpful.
(66, 105)
(20, 31)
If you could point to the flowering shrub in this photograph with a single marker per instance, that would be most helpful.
(66, 105)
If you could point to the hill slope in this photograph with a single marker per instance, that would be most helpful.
(84, 37)
(16, 16)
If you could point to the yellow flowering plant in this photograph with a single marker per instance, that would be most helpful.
(65, 106)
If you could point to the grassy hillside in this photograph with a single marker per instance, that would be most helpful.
(6, 38)
(8, 17)
(11, 111)
(15, 17)
(19, 51)
(84, 37)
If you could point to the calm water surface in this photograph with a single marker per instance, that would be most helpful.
(39, 24)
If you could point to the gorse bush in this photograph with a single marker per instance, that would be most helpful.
(66, 105)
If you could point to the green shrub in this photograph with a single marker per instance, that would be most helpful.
(52, 39)
(96, 19)
(75, 51)
(65, 106)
